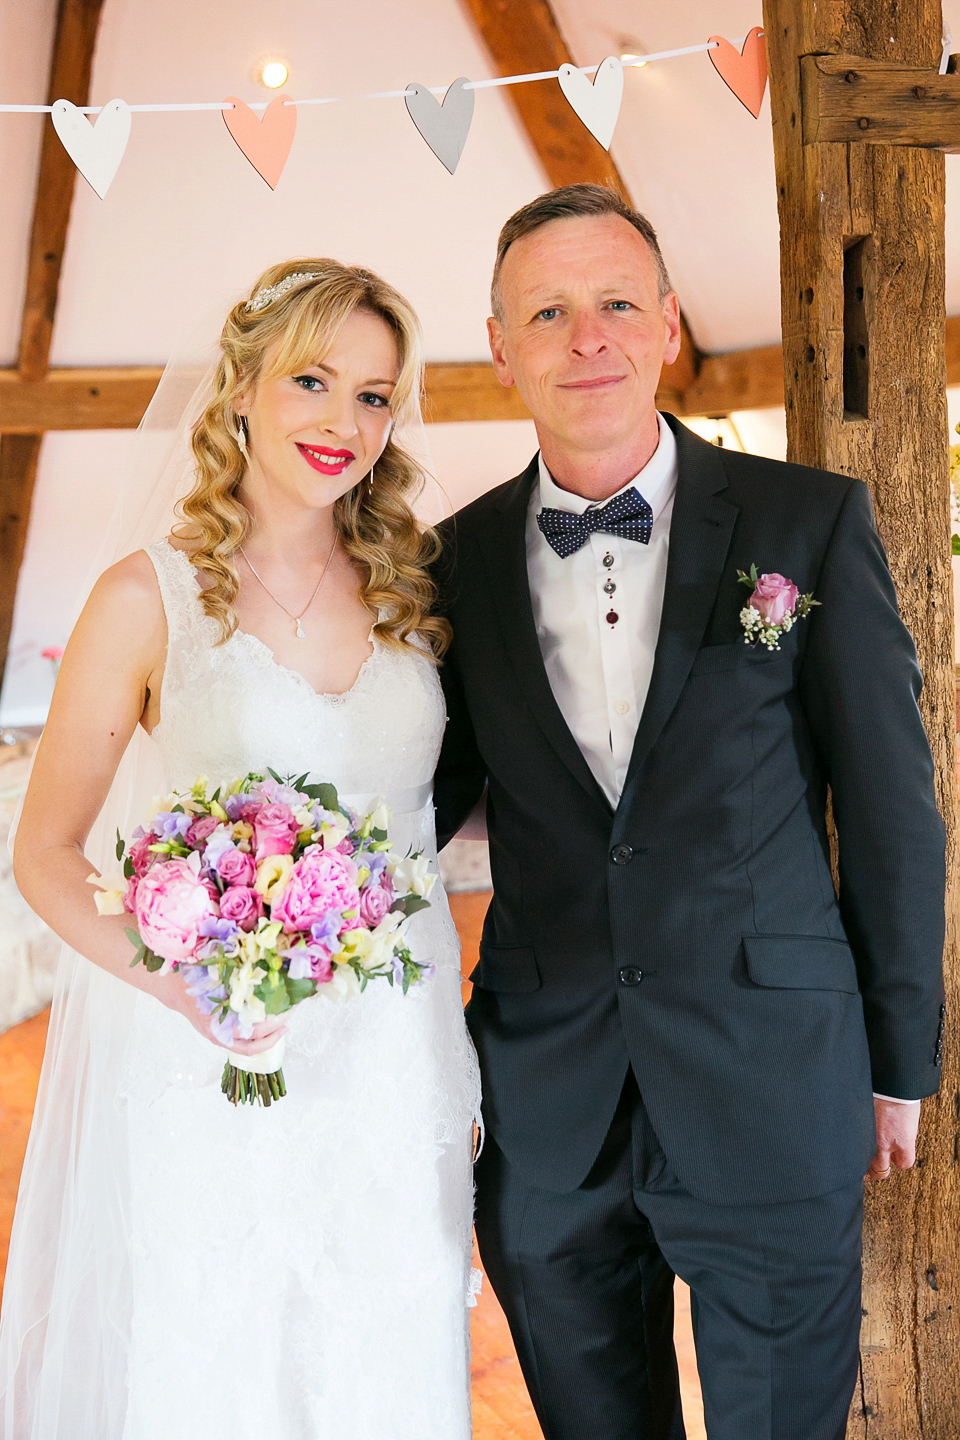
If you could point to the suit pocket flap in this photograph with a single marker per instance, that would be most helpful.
(800, 962)
(714, 658)
(512, 970)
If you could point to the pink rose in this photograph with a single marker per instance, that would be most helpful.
(321, 966)
(140, 855)
(374, 904)
(320, 881)
(241, 905)
(774, 598)
(172, 900)
(275, 830)
(200, 830)
(250, 811)
(236, 868)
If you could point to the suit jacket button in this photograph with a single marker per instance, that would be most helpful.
(621, 854)
(630, 975)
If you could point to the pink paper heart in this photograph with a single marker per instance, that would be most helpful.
(745, 73)
(266, 143)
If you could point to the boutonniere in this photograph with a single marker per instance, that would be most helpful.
(773, 609)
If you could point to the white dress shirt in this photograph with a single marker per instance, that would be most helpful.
(599, 668)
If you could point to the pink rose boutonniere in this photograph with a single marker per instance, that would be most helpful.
(773, 608)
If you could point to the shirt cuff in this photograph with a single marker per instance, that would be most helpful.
(894, 1099)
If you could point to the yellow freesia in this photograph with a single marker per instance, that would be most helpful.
(272, 876)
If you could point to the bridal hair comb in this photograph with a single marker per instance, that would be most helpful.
(272, 292)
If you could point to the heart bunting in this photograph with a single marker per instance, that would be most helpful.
(745, 73)
(445, 126)
(597, 105)
(266, 143)
(97, 149)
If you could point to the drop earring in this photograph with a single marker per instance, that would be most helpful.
(370, 479)
(242, 433)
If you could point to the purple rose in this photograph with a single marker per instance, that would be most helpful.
(236, 868)
(276, 830)
(774, 598)
(242, 905)
(200, 830)
(375, 902)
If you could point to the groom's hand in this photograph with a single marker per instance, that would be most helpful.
(896, 1137)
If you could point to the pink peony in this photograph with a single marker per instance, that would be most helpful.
(241, 905)
(200, 830)
(236, 868)
(774, 598)
(320, 881)
(171, 902)
(275, 830)
(375, 901)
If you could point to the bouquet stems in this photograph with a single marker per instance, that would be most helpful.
(255, 1079)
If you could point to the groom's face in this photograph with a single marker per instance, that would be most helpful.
(584, 333)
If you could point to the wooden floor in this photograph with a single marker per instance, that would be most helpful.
(501, 1408)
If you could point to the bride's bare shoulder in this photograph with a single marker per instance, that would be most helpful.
(128, 594)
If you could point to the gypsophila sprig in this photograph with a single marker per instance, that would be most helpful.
(262, 894)
(773, 609)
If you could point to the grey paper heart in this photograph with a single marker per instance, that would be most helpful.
(444, 127)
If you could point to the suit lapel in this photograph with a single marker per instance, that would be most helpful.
(504, 551)
(700, 532)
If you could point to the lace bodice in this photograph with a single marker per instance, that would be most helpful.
(226, 709)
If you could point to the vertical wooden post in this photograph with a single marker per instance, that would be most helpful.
(862, 273)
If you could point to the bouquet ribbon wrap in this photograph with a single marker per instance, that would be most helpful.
(268, 1062)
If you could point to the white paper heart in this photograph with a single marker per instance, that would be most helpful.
(444, 127)
(96, 150)
(598, 105)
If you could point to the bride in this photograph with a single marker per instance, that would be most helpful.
(179, 1267)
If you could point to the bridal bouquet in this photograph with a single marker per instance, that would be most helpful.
(260, 895)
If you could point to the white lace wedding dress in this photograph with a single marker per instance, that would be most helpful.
(300, 1272)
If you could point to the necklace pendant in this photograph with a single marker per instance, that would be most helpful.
(300, 634)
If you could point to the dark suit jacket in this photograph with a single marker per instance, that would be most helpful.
(695, 932)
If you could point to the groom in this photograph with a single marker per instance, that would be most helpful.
(691, 1048)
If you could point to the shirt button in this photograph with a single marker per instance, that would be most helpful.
(608, 560)
(630, 975)
(622, 707)
(621, 854)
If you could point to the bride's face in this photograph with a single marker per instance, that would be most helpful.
(315, 434)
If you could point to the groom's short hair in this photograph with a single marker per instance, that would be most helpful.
(566, 203)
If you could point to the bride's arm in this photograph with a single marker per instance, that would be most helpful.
(109, 682)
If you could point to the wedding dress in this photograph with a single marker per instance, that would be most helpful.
(300, 1272)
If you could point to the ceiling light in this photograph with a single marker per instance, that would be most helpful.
(634, 61)
(632, 53)
(273, 74)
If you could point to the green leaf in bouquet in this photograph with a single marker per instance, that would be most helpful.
(273, 773)
(410, 904)
(216, 794)
(299, 784)
(152, 962)
(275, 998)
(127, 868)
(133, 937)
(326, 794)
(177, 809)
(299, 990)
(378, 836)
(120, 846)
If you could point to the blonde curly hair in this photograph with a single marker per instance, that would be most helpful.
(381, 535)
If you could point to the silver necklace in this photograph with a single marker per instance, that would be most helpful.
(295, 618)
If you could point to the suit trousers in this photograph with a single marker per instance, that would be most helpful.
(586, 1281)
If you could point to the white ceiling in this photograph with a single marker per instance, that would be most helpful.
(188, 224)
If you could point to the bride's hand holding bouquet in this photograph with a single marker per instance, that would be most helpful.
(258, 896)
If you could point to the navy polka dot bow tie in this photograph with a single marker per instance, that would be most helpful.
(627, 514)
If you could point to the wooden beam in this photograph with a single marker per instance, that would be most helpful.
(523, 39)
(70, 66)
(848, 99)
(18, 470)
(862, 294)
